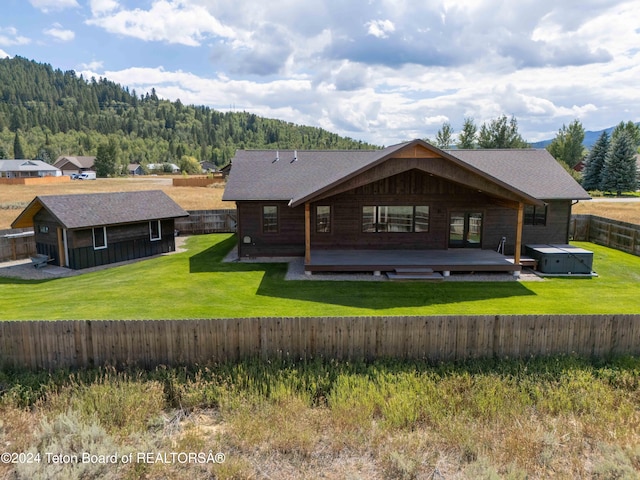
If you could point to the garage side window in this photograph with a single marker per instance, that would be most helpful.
(99, 238)
(270, 219)
(535, 215)
(155, 232)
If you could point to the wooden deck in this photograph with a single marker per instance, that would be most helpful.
(452, 260)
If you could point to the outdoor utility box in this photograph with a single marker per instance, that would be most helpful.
(561, 259)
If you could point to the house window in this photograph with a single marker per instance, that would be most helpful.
(421, 218)
(395, 218)
(368, 219)
(535, 215)
(155, 231)
(270, 219)
(99, 238)
(43, 229)
(323, 219)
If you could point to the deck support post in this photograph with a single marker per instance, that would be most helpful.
(307, 233)
(518, 247)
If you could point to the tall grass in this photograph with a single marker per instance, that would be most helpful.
(570, 416)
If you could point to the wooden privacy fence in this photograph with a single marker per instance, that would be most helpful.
(148, 343)
(16, 243)
(604, 231)
(20, 243)
(207, 221)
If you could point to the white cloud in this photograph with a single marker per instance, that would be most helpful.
(100, 7)
(9, 36)
(91, 66)
(51, 5)
(4, 54)
(394, 70)
(380, 28)
(170, 21)
(59, 33)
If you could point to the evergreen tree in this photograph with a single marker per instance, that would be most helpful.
(443, 137)
(630, 129)
(500, 134)
(619, 174)
(567, 145)
(3, 153)
(592, 179)
(18, 153)
(106, 159)
(467, 137)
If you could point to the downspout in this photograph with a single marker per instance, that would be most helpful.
(568, 235)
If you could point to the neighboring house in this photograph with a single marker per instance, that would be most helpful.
(27, 169)
(160, 167)
(208, 167)
(80, 231)
(70, 165)
(407, 198)
(135, 169)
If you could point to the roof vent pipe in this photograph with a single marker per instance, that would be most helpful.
(277, 156)
(295, 156)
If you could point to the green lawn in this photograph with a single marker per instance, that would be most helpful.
(195, 284)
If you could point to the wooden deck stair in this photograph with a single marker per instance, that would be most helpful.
(414, 273)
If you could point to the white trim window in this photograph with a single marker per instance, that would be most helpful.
(99, 238)
(155, 230)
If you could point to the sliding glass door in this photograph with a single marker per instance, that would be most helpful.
(465, 230)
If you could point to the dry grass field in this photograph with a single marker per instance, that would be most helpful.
(623, 211)
(13, 198)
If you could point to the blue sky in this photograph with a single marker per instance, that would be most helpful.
(381, 71)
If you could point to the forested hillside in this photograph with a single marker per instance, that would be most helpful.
(59, 113)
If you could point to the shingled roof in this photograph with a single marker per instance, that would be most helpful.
(78, 162)
(297, 176)
(100, 209)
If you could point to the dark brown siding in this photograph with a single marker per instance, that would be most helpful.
(124, 242)
(412, 187)
(557, 228)
(46, 243)
(288, 240)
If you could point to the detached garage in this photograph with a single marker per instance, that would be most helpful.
(82, 231)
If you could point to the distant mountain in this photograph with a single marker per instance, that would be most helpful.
(60, 113)
(590, 138)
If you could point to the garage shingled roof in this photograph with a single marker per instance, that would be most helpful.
(100, 209)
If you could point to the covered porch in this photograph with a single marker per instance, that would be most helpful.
(378, 261)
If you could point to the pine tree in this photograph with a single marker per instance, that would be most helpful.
(592, 179)
(619, 174)
(18, 153)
